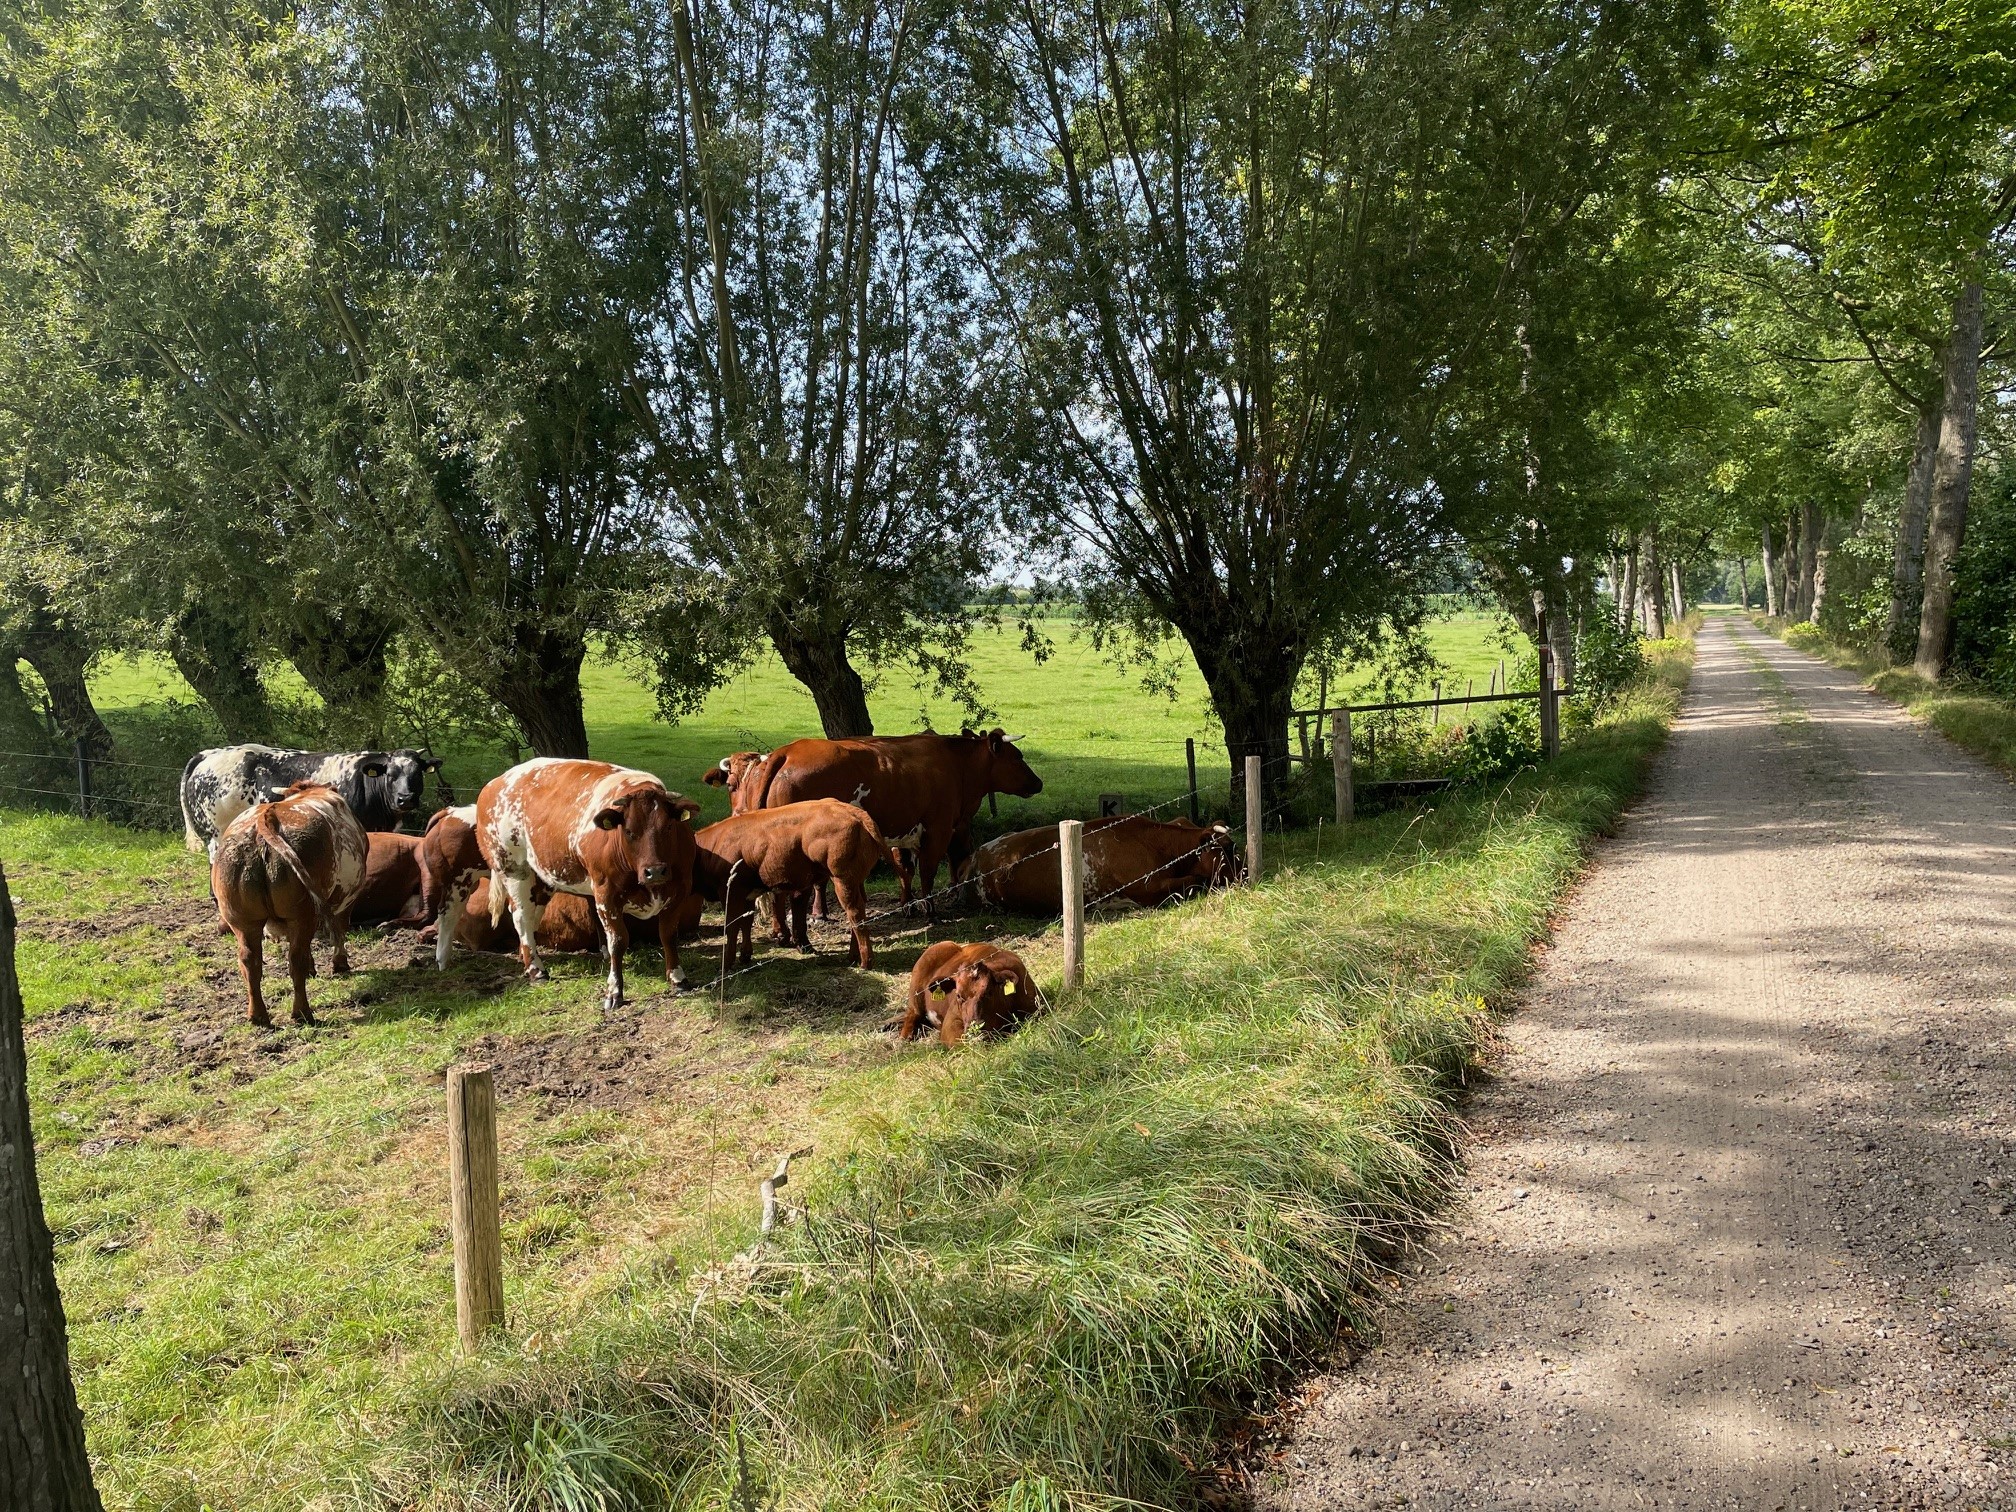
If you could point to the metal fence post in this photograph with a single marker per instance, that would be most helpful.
(1256, 818)
(472, 1205)
(1071, 865)
(1340, 762)
(83, 780)
(1550, 713)
(1190, 760)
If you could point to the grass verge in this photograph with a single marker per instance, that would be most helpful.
(1044, 1274)
(1965, 713)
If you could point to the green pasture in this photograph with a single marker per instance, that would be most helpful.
(1091, 726)
(1036, 1273)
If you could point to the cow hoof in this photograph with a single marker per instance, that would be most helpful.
(305, 1018)
(535, 973)
(260, 1021)
(611, 1001)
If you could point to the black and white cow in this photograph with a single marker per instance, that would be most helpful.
(381, 787)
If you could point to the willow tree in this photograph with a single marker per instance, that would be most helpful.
(821, 370)
(1256, 256)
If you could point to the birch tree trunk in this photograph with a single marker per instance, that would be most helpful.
(43, 1466)
(1907, 566)
(1952, 476)
(1771, 579)
(1679, 598)
(1823, 549)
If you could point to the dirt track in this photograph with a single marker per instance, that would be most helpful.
(1740, 1229)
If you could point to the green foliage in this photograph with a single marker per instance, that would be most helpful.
(1984, 609)
(1607, 659)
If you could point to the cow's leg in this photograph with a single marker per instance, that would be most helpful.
(818, 902)
(615, 940)
(301, 962)
(339, 931)
(668, 942)
(738, 924)
(453, 905)
(929, 854)
(801, 901)
(252, 965)
(854, 899)
(525, 914)
(775, 904)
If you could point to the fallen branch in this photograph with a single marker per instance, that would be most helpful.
(780, 1177)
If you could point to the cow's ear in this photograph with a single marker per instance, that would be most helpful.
(685, 807)
(995, 740)
(431, 764)
(610, 818)
(374, 769)
(940, 987)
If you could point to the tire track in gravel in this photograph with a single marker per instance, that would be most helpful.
(1738, 1229)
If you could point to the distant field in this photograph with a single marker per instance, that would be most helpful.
(1091, 727)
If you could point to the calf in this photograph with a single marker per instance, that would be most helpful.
(1141, 861)
(585, 827)
(958, 988)
(566, 924)
(381, 787)
(391, 888)
(284, 868)
(789, 852)
(452, 869)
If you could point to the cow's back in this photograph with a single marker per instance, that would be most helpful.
(322, 832)
(899, 781)
(1020, 872)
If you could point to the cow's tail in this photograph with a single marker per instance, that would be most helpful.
(275, 839)
(190, 838)
(498, 902)
(875, 834)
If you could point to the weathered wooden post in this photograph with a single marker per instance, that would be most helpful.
(1340, 762)
(1256, 818)
(1071, 861)
(1190, 760)
(472, 1187)
(1550, 713)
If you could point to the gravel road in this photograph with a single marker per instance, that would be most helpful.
(1739, 1228)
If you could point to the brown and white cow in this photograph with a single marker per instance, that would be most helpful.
(451, 866)
(285, 868)
(1139, 860)
(730, 772)
(930, 784)
(957, 989)
(391, 887)
(789, 852)
(606, 832)
(567, 924)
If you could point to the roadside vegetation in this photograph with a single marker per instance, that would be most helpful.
(1045, 1273)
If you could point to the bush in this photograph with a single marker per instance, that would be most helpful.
(1806, 637)
(1607, 659)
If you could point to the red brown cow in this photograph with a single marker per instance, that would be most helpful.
(566, 924)
(285, 868)
(1144, 861)
(585, 827)
(451, 866)
(790, 852)
(933, 784)
(729, 774)
(957, 989)
(391, 887)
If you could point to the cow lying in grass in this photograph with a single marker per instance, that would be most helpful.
(1146, 862)
(604, 832)
(958, 989)
(567, 924)
(391, 887)
(284, 868)
(789, 852)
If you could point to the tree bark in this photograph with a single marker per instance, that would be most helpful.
(836, 687)
(1653, 590)
(214, 655)
(342, 657)
(1254, 711)
(541, 690)
(1823, 552)
(1743, 580)
(1627, 597)
(1771, 579)
(1952, 477)
(1679, 597)
(43, 1465)
(1809, 557)
(1907, 565)
(1788, 569)
(59, 656)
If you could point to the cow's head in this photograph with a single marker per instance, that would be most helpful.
(731, 770)
(984, 994)
(1007, 772)
(392, 781)
(651, 832)
(1220, 862)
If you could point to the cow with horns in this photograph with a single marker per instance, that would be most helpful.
(382, 788)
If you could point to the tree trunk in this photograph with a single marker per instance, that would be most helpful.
(1743, 580)
(1654, 591)
(1823, 552)
(1253, 707)
(1952, 476)
(43, 1466)
(541, 689)
(343, 659)
(1809, 556)
(21, 726)
(1627, 598)
(1561, 638)
(1771, 579)
(1788, 569)
(1907, 565)
(59, 657)
(1679, 598)
(837, 690)
(214, 655)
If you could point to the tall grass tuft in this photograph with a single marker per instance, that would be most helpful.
(1049, 1274)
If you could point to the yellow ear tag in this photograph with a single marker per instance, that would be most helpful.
(1007, 989)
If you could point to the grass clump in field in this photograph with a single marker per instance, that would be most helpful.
(1965, 712)
(1045, 1274)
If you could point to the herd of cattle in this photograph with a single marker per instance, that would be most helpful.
(562, 855)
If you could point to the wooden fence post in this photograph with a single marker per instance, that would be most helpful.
(1550, 713)
(1190, 760)
(1340, 762)
(1071, 862)
(1256, 818)
(472, 1186)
